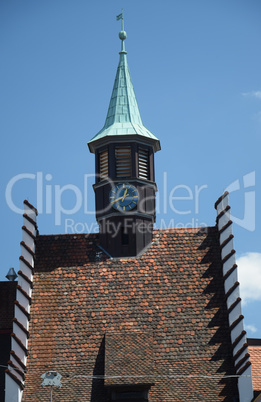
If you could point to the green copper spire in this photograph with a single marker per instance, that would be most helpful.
(123, 117)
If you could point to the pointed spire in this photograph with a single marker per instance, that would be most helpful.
(123, 107)
(123, 116)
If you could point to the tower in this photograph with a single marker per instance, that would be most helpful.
(124, 164)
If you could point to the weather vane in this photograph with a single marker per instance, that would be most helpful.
(120, 17)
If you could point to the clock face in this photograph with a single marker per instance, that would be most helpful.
(124, 197)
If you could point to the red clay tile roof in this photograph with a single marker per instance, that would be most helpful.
(129, 358)
(255, 357)
(174, 293)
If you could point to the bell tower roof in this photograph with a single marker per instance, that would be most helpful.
(123, 116)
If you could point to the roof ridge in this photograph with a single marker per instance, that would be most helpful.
(85, 235)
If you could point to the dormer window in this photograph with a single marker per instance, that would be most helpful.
(143, 163)
(123, 161)
(104, 164)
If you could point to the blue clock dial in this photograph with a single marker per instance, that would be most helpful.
(124, 197)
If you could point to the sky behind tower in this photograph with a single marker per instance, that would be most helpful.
(195, 67)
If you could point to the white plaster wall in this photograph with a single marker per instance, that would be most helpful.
(231, 280)
(232, 298)
(235, 313)
(15, 362)
(16, 373)
(24, 284)
(227, 249)
(13, 392)
(22, 300)
(29, 226)
(224, 235)
(237, 331)
(29, 241)
(19, 315)
(229, 264)
(18, 351)
(245, 386)
(222, 204)
(20, 334)
(241, 357)
(27, 256)
(26, 270)
(223, 220)
(30, 212)
(239, 345)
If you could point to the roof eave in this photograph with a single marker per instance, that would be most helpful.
(94, 144)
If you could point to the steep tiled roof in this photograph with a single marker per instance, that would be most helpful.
(129, 354)
(168, 305)
(255, 356)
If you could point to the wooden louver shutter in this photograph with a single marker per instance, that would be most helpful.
(143, 163)
(104, 164)
(123, 161)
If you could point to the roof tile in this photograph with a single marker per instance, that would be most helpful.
(81, 299)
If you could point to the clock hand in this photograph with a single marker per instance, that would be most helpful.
(117, 200)
(123, 197)
(125, 194)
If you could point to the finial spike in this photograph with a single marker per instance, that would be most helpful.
(122, 34)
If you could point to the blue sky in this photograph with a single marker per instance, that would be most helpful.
(195, 67)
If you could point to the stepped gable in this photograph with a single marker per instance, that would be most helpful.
(84, 305)
(15, 373)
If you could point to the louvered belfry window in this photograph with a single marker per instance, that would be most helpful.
(123, 161)
(143, 163)
(104, 164)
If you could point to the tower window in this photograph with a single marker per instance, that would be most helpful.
(104, 164)
(123, 161)
(143, 163)
(124, 237)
